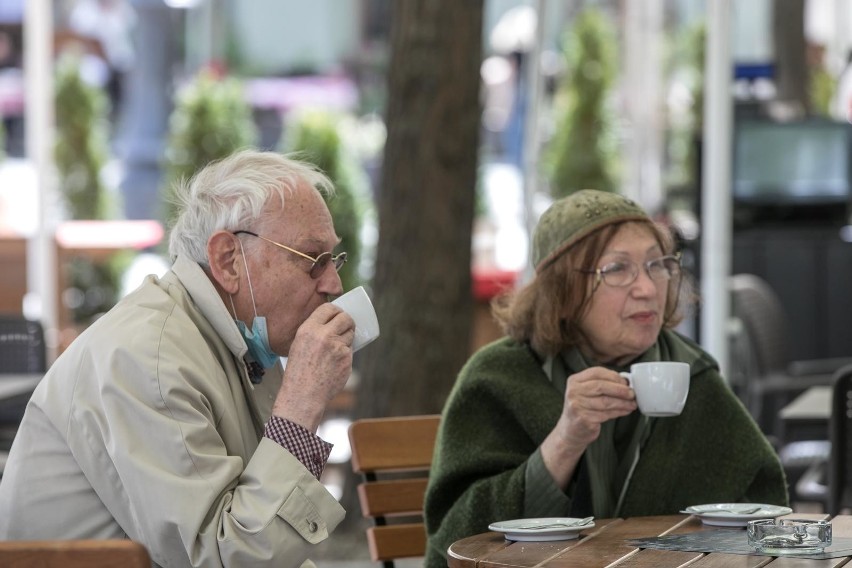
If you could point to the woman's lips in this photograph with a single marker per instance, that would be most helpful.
(644, 317)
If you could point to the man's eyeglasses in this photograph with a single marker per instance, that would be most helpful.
(624, 272)
(319, 263)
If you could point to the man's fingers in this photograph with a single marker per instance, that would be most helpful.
(338, 321)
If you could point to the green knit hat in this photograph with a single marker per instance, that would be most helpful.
(572, 218)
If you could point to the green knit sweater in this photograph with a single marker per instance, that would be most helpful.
(487, 465)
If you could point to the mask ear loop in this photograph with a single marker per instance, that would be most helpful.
(248, 276)
(233, 309)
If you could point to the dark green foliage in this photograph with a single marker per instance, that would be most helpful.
(822, 87)
(211, 120)
(316, 138)
(696, 55)
(696, 49)
(582, 152)
(81, 142)
(94, 286)
(686, 61)
(81, 150)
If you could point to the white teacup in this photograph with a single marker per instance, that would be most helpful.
(661, 387)
(357, 304)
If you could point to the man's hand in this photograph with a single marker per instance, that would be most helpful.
(318, 366)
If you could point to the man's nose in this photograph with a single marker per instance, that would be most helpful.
(330, 282)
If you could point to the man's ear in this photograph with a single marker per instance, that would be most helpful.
(223, 253)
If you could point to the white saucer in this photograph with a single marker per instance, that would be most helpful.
(728, 515)
(513, 530)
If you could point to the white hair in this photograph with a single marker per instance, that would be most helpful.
(230, 194)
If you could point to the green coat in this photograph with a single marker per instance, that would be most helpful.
(502, 407)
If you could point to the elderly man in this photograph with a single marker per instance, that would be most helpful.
(168, 421)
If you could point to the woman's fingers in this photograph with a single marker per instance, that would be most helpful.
(595, 396)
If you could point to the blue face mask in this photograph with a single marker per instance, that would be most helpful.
(257, 341)
(256, 338)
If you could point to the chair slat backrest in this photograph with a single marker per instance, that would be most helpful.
(73, 554)
(382, 446)
(22, 347)
(762, 313)
(22, 350)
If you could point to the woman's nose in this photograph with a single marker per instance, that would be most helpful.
(644, 285)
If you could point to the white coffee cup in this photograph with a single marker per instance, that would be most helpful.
(661, 387)
(357, 304)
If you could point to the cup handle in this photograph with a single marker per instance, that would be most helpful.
(627, 376)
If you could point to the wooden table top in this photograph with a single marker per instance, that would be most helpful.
(605, 545)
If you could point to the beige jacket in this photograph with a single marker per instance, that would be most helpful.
(148, 428)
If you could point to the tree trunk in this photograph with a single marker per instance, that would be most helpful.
(422, 283)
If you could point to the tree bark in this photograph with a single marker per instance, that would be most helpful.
(422, 283)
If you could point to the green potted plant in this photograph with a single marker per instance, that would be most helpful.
(582, 151)
(314, 135)
(686, 62)
(211, 119)
(81, 141)
(81, 150)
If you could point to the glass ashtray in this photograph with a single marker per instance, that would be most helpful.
(789, 536)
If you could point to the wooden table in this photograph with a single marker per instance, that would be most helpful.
(605, 545)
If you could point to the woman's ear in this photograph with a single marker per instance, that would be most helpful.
(223, 253)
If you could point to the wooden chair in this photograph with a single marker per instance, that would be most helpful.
(773, 378)
(770, 378)
(22, 347)
(394, 455)
(840, 433)
(73, 554)
(22, 350)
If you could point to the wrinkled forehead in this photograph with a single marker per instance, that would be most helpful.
(630, 240)
(303, 216)
(632, 235)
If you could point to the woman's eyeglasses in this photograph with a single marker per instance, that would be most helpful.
(319, 263)
(624, 272)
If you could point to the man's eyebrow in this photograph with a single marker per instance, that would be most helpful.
(314, 242)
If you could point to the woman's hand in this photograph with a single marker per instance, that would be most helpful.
(592, 397)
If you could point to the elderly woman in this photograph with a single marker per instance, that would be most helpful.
(541, 424)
